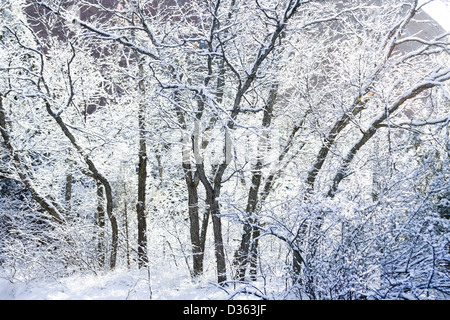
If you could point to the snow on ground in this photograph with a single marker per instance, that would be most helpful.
(121, 285)
(115, 285)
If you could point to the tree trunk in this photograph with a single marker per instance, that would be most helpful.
(142, 184)
(140, 207)
(218, 241)
(242, 255)
(203, 232)
(254, 253)
(142, 167)
(192, 181)
(68, 193)
(98, 177)
(101, 224)
(113, 221)
(127, 233)
(212, 195)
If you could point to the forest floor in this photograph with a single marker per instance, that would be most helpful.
(126, 285)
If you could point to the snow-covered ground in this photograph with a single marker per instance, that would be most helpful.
(124, 285)
(117, 285)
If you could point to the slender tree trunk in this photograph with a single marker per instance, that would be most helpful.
(127, 233)
(142, 183)
(142, 167)
(140, 209)
(254, 253)
(242, 255)
(218, 240)
(192, 181)
(328, 144)
(68, 193)
(203, 233)
(98, 177)
(101, 224)
(212, 194)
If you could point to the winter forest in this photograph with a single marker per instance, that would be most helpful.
(224, 149)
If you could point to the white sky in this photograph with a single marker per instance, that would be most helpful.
(440, 11)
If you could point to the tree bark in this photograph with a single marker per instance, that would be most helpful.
(241, 257)
(142, 183)
(212, 194)
(142, 167)
(68, 192)
(141, 206)
(192, 181)
(101, 224)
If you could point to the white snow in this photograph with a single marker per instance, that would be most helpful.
(123, 285)
(113, 285)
